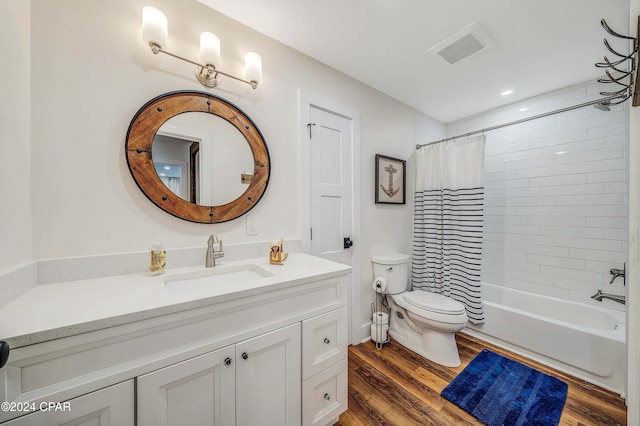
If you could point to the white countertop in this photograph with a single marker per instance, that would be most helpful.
(53, 311)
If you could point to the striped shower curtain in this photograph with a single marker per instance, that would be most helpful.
(448, 217)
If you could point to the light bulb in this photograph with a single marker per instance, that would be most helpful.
(209, 49)
(253, 67)
(154, 27)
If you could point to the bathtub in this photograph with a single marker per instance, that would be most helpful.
(585, 341)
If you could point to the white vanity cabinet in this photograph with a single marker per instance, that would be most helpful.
(275, 356)
(112, 406)
(255, 382)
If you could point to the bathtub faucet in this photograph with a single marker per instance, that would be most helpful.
(615, 274)
(616, 298)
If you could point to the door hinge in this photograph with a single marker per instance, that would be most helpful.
(311, 233)
(309, 126)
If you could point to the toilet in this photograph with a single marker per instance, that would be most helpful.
(422, 321)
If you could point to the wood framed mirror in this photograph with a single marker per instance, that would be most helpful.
(224, 170)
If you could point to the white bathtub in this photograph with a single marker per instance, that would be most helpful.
(585, 341)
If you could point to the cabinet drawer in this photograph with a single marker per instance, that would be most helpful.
(325, 395)
(324, 341)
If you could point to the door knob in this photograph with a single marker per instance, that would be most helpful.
(4, 353)
(347, 242)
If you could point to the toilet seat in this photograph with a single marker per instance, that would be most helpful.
(457, 315)
(433, 302)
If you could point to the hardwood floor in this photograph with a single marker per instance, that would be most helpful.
(395, 386)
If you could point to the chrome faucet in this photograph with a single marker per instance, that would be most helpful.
(616, 298)
(212, 253)
(616, 273)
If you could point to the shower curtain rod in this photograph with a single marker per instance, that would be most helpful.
(534, 117)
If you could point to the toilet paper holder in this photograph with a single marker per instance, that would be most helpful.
(379, 327)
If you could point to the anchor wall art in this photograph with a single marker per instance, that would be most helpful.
(390, 180)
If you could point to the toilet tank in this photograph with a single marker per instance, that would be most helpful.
(395, 270)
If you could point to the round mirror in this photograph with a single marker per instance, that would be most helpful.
(202, 158)
(197, 157)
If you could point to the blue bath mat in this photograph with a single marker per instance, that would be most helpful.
(501, 392)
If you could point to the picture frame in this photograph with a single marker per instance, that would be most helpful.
(391, 179)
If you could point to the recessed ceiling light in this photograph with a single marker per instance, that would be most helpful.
(506, 92)
(523, 109)
(167, 167)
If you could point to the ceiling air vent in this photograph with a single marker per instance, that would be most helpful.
(465, 43)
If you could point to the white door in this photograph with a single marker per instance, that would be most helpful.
(268, 379)
(331, 185)
(198, 391)
(112, 406)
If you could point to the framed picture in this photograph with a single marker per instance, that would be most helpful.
(390, 180)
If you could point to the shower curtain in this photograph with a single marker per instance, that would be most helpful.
(448, 218)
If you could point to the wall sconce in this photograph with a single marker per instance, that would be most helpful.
(154, 33)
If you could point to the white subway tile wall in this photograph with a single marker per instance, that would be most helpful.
(556, 195)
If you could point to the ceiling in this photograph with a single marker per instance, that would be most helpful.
(538, 45)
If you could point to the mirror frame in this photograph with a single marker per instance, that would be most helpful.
(142, 130)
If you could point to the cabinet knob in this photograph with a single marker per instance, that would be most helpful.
(227, 362)
(327, 396)
(326, 341)
(245, 356)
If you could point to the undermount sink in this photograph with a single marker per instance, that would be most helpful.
(217, 276)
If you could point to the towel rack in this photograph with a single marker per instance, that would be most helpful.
(620, 76)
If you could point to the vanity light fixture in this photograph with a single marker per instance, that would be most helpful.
(155, 34)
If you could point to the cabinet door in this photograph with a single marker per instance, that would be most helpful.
(112, 406)
(199, 391)
(268, 381)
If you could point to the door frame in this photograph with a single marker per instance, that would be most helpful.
(307, 100)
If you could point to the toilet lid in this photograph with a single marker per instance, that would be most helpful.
(434, 302)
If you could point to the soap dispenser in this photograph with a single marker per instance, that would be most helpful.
(158, 259)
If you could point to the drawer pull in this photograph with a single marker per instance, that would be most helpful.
(326, 341)
(227, 362)
(327, 396)
(245, 356)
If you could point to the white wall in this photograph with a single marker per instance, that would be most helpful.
(100, 73)
(15, 133)
(556, 195)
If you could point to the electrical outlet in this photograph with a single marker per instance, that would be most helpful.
(252, 229)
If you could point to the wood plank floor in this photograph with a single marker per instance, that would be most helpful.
(395, 386)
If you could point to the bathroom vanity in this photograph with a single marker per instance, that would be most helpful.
(243, 343)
